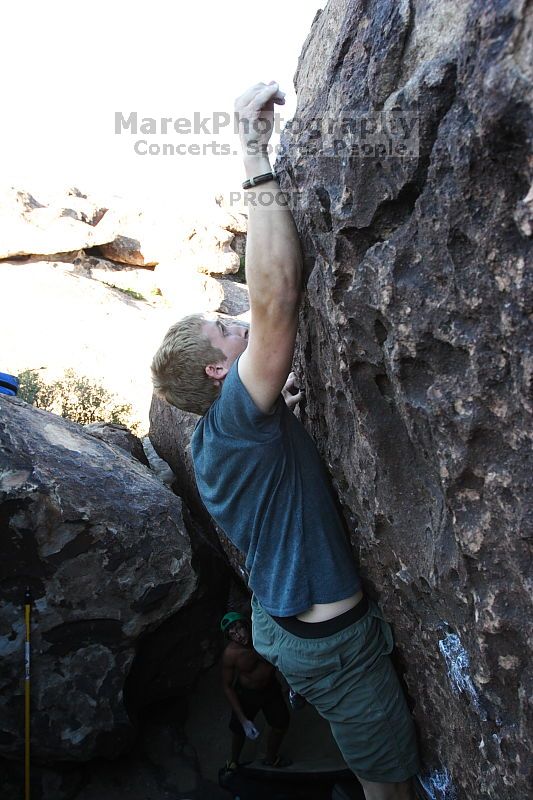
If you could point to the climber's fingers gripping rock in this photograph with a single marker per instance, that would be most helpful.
(254, 112)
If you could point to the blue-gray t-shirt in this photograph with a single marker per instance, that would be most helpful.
(262, 480)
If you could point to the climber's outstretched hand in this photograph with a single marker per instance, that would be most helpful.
(254, 113)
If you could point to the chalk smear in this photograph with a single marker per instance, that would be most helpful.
(438, 785)
(458, 663)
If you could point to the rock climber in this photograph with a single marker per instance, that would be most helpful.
(261, 478)
(250, 684)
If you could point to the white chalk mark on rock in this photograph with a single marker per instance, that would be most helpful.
(438, 785)
(458, 662)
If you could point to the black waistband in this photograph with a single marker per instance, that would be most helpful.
(316, 630)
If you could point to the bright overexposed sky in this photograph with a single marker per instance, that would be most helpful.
(68, 67)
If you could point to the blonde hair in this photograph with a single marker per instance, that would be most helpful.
(178, 367)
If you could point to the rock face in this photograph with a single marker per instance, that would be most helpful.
(104, 548)
(414, 352)
(120, 436)
(162, 764)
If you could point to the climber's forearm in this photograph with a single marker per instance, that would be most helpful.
(273, 254)
(273, 259)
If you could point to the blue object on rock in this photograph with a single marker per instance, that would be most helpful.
(9, 384)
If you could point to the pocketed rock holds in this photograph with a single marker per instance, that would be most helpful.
(415, 351)
(103, 546)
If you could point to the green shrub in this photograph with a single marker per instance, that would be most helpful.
(77, 398)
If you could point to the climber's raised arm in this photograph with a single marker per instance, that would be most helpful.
(273, 256)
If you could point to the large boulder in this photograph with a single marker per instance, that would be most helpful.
(210, 241)
(30, 227)
(214, 242)
(185, 289)
(127, 250)
(208, 249)
(119, 436)
(236, 302)
(103, 546)
(163, 764)
(236, 223)
(137, 282)
(138, 239)
(414, 349)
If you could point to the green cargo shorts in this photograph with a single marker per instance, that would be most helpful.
(349, 678)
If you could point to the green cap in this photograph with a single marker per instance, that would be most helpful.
(229, 618)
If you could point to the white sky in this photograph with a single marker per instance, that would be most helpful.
(67, 67)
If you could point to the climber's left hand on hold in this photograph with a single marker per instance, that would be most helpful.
(291, 394)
